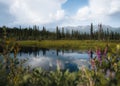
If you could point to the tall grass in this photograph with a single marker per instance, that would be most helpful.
(68, 44)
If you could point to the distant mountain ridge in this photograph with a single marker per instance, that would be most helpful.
(95, 28)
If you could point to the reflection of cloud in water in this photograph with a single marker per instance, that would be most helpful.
(66, 59)
(39, 62)
(46, 63)
(76, 55)
(43, 62)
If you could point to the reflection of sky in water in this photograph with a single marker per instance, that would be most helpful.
(48, 59)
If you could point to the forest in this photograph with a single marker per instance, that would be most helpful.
(36, 33)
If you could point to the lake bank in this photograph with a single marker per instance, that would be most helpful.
(68, 44)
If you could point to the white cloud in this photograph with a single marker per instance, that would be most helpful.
(82, 14)
(35, 11)
(98, 11)
(115, 6)
(50, 12)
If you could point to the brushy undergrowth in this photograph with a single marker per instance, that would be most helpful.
(13, 73)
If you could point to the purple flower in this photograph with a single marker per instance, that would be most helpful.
(98, 52)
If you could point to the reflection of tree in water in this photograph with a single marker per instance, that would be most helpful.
(62, 51)
(32, 50)
(20, 53)
(44, 52)
(57, 52)
(35, 53)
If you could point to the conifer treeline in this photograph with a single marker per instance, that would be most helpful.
(35, 33)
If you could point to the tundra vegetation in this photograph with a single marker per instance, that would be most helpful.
(104, 73)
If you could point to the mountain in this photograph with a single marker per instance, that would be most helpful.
(117, 30)
(86, 28)
(95, 28)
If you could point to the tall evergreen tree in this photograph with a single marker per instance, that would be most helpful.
(100, 31)
(91, 31)
(63, 34)
(57, 33)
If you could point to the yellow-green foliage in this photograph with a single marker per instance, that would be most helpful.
(68, 44)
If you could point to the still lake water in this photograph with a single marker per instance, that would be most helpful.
(48, 59)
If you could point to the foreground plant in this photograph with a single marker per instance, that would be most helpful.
(13, 73)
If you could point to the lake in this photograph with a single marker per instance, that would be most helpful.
(48, 59)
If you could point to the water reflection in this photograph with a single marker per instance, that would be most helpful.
(49, 58)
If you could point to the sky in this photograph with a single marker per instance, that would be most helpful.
(52, 13)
